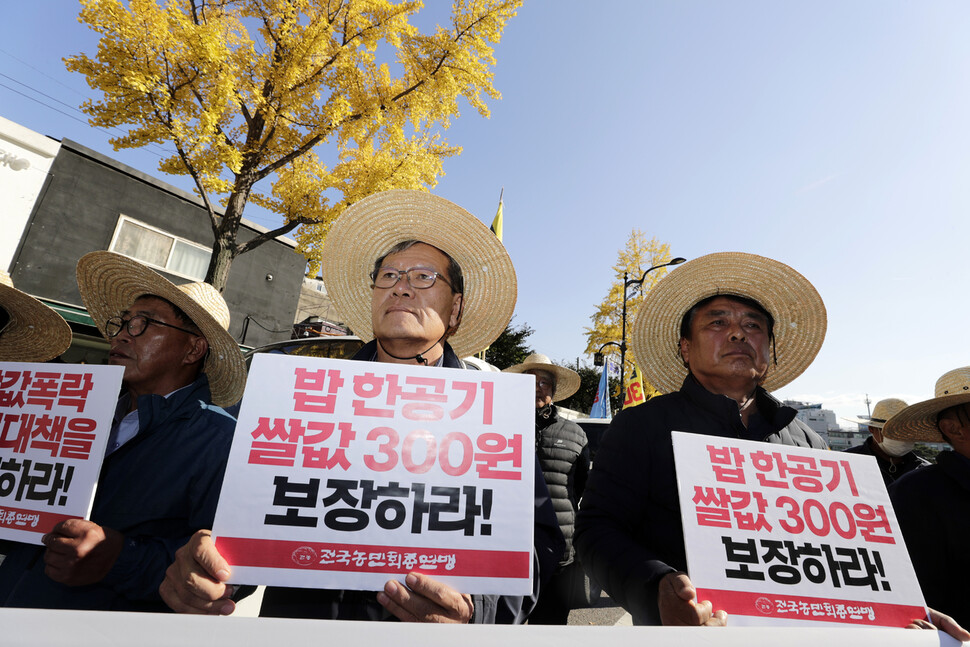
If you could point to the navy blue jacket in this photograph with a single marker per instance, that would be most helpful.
(548, 543)
(157, 490)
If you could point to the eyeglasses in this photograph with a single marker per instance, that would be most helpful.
(546, 384)
(4, 319)
(418, 278)
(136, 326)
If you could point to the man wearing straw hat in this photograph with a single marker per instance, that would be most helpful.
(714, 335)
(933, 504)
(29, 330)
(895, 457)
(423, 282)
(167, 448)
(561, 447)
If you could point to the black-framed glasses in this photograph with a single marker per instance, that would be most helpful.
(136, 326)
(4, 319)
(418, 278)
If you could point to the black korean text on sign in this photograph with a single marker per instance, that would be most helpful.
(351, 505)
(28, 480)
(788, 562)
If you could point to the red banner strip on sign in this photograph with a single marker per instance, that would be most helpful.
(31, 520)
(273, 553)
(797, 607)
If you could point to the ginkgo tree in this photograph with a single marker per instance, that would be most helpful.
(638, 256)
(300, 106)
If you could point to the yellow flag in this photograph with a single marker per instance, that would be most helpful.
(633, 388)
(497, 223)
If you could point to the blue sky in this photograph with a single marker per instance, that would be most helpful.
(832, 136)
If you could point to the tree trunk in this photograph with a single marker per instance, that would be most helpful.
(221, 261)
(224, 247)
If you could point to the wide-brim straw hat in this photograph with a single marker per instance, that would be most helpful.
(35, 333)
(110, 283)
(917, 422)
(372, 226)
(567, 380)
(789, 297)
(881, 413)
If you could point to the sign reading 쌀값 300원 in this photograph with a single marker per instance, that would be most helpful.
(345, 474)
(54, 425)
(788, 535)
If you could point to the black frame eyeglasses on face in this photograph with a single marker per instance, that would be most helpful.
(422, 279)
(137, 325)
(5, 319)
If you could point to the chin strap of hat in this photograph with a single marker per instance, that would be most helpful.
(419, 358)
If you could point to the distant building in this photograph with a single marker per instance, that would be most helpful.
(822, 421)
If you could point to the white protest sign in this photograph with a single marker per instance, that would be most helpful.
(345, 474)
(787, 535)
(54, 425)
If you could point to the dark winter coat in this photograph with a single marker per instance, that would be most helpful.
(563, 453)
(932, 506)
(628, 532)
(890, 471)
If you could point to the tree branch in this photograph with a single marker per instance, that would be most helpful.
(267, 236)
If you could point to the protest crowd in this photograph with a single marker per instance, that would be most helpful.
(424, 283)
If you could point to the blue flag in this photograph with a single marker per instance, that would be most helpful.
(601, 405)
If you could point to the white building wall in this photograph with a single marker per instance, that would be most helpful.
(25, 159)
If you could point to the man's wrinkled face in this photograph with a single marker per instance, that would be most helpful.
(727, 350)
(545, 387)
(407, 314)
(151, 357)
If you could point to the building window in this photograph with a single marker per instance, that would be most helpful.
(160, 250)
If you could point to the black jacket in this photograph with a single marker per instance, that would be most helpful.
(933, 509)
(548, 545)
(629, 533)
(562, 450)
(890, 471)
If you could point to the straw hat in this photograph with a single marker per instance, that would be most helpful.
(883, 411)
(567, 380)
(110, 283)
(917, 422)
(372, 226)
(35, 333)
(788, 296)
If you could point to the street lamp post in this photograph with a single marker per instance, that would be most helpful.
(627, 284)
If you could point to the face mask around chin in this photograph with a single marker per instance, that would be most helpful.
(896, 447)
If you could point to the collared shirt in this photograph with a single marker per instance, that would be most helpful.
(124, 426)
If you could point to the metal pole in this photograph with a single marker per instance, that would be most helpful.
(623, 335)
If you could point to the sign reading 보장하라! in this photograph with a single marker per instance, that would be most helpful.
(789, 535)
(54, 425)
(345, 474)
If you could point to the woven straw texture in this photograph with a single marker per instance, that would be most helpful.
(35, 332)
(110, 283)
(917, 422)
(884, 410)
(567, 380)
(796, 306)
(367, 229)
